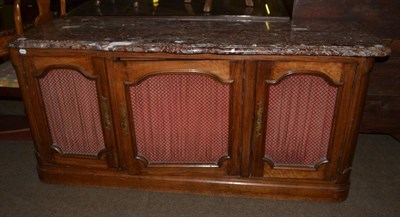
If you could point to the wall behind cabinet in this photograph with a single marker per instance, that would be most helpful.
(382, 18)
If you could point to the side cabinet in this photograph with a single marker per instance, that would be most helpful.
(70, 111)
(262, 126)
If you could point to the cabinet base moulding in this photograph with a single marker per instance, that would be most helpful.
(232, 186)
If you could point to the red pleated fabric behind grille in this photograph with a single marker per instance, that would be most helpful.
(181, 118)
(72, 111)
(300, 114)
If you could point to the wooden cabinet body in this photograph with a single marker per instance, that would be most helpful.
(256, 126)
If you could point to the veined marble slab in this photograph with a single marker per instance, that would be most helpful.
(205, 36)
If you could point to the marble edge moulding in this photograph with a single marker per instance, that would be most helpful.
(151, 35)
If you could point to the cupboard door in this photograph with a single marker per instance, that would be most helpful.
(179, 117)
(300, 114)
(72, 124)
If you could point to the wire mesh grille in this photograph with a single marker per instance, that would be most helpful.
(181, 118)
(72, 110)
(299, 121)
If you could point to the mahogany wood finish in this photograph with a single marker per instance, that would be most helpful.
(378, 17)
(17, 17)
(10, 93)
(382, 107)
(243, 172)
(63, 5)
(45, 16)
(9, 35)
(4, 40)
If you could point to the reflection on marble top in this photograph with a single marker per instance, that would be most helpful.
(204, 36)
(276, 8)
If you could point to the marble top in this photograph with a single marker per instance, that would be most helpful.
(242, 36)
